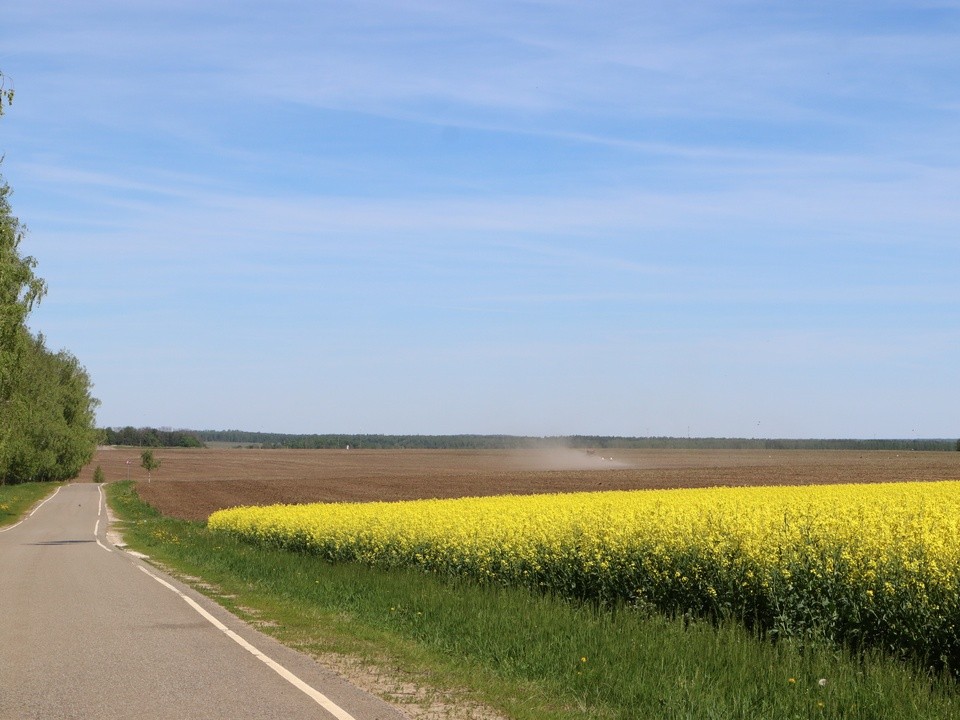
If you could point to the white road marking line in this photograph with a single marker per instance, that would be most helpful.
(96, 528)
(318, 697)
(11, 527)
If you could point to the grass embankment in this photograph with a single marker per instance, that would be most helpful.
(532, 656)
(15, 500)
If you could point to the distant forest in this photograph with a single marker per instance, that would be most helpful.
(150, 437)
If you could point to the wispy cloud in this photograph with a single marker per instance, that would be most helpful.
(540, 192)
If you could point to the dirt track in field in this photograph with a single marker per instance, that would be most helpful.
(193, 483)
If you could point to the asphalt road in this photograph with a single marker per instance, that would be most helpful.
(88, 631)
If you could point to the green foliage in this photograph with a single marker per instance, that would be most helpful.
(149, 463)
(47, 431)
(19, 289)
(46, 409)
(6, 92)
(150, 437)
(511, 442)
(98, 476)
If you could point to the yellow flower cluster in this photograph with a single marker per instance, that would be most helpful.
(870, 564)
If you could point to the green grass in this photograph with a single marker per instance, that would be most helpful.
(530, 656)
(15, 500)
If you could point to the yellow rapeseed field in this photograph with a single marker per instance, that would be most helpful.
(866, 564)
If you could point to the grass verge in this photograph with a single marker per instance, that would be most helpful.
(15, 500)
(529, 656)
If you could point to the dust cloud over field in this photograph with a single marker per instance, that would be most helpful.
(192, 483)
(571, 459)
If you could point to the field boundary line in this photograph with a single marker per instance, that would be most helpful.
(311, 692)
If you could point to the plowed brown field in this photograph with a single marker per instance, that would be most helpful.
(193, 483)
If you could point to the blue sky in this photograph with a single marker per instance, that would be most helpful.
(627, 218)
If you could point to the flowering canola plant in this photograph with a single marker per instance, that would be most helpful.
(871, 565)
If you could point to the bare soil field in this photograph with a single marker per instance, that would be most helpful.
(193, 483)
